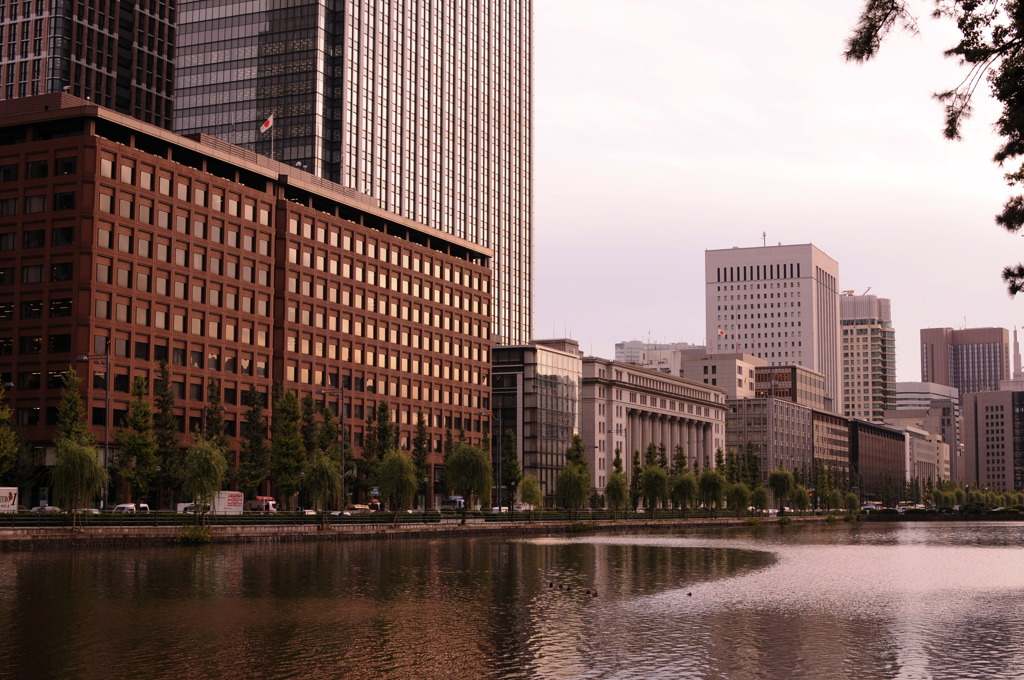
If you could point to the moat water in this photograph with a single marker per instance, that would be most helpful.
(935, 600)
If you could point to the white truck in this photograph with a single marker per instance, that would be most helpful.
(8, 499)
(228, 503)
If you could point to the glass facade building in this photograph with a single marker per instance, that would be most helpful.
(426, 107)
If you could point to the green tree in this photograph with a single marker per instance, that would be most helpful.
(991, 46)
(800, 498)
(635, 492)
(737, 495)
(135, 461)
(213, 416)
(651, 455)
(572, 486)
(379, 437)
(751, 466)
(851, 502)
(833, 499)
(10, 442)
(781, 483)
(398, 482)
(310, 427)
(679, 459)
(759, 498)
(684, 491)
(323, 484)
(531, 493)
(654, 483)
(711, 485)
(287, 451)
(204, 470)
(468, 474)
(77, 476)
(165, 429)
(421, 457)
(254, 458)
(511, 472)
(617, 492)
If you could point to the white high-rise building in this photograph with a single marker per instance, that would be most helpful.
(869, 356)
(779, 303)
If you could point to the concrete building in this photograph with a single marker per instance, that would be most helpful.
(536, 392)
(994, 440)
(627, 408)
(877, 460)
(632, 351)
(733, 373)
(831, 449)
(971, 359)
(425, 107)
(869, 356)
(791, 383)
(118, 54)
(926, 457)
(933, 408)
(782, 432)
(780, 303)
(130, 244)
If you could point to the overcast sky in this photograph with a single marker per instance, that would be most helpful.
(665, 128)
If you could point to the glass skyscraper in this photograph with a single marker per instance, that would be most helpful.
(424, 105)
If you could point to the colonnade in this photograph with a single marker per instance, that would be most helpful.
(644, 427)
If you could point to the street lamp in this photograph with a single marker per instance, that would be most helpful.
(340, 393)
(103, 360)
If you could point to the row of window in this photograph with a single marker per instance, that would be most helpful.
(37, 203)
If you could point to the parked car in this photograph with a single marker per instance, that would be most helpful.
(86, 511)
(130, 509)
(45, 509)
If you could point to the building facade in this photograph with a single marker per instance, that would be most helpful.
(994, 440)
(781, 431)
(627, 408)
(133, 246)
(877, 460)
(933, 408)
(427, 108)
(869, 356)
(536, 395)
(971, 359)
(118, 54)
(632, 351)
(779, 303)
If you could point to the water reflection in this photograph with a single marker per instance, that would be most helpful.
(879, 601)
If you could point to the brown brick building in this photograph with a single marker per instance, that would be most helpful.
(226, 265)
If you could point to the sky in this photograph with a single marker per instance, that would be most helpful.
(664, 128)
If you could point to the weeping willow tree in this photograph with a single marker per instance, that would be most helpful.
(323, 484)
(204, 470)
(77, 476)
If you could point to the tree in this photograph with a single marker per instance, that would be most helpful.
(310, 427)
(511, 472)
(711, 485)
(617, 492)
(991, 46)
(654, 482)
(678, 459)
(10, 442)
(851, 502)
(77, 475)
(780, 481)
(204, 470)
(833, 499)
(323, 484)
(379, 437)
(165, 430)
(737, 495)
(684, 491)
(751, 474)
(287, 451)
(531, 493)
(468, 473)
(254, 458)
(572, 486)
(135, 461)
(635, 492)
(800, 498)
(421, 457)
(759, 498)
(213, 415)
(398, 481)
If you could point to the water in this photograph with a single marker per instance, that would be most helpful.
(843, 601)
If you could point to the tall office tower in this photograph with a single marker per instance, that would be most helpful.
(869, 356)
(426, 107)
(971, 360)
(118, 54)
(780, 303)
(993, 421)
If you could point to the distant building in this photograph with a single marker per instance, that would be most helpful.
(877, 460)
(536, 394)
(934, 408)
(971, 360)
(779, 303)
(869, 356)
(781, 430)
(628, 408)
(792, 383)
(733, 373)
(993, 443)
(631, 351)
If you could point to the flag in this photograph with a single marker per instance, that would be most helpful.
(267, 124)
(721, 333)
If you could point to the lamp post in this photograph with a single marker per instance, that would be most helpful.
(340, 393)
(103, 360)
